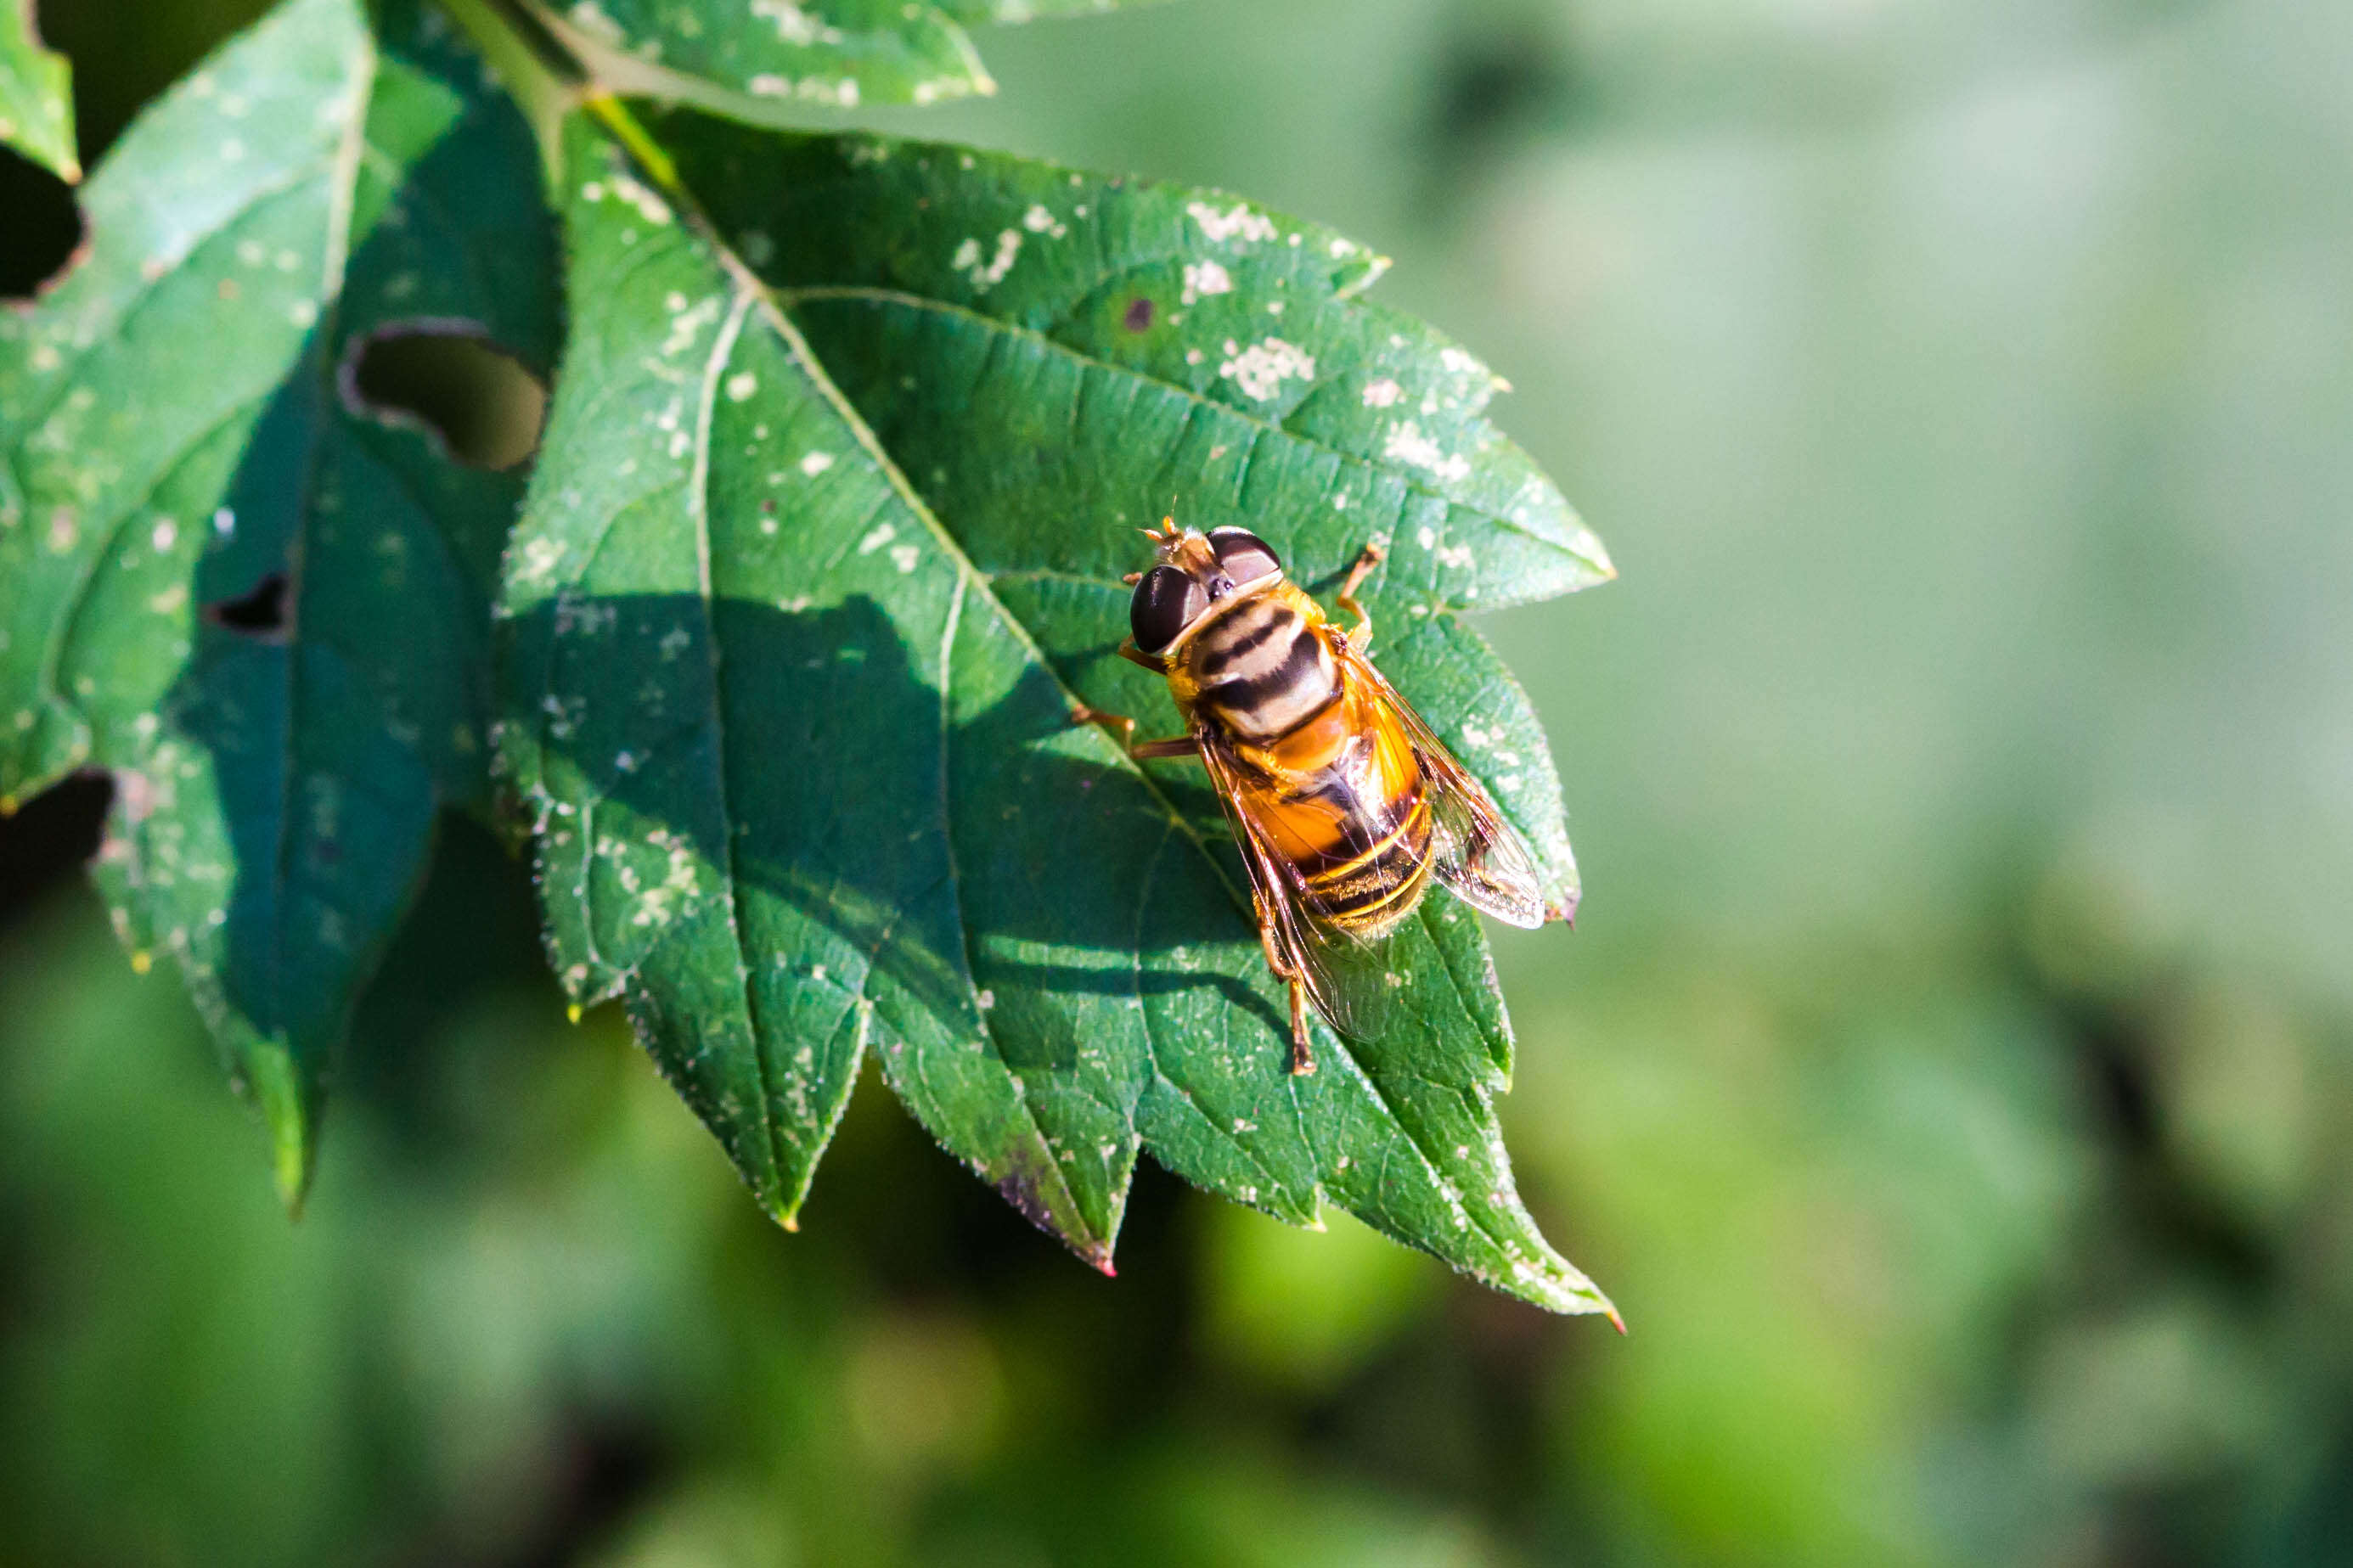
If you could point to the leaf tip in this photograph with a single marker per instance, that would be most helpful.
(285, 1111)
(791, 1222)
(7, 805)
(1615, 1320)
(1098, 1256)
(141, 961)
(571, 1012)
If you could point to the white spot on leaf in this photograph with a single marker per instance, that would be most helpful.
(967, 259)
(1261, 368)
(1202, 277)
(1406, 444)
(795, 26)
(1238, 223)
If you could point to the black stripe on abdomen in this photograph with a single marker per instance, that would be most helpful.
(1383, 876)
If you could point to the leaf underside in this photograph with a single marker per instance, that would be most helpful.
(36, 94)
(262, 608)
(825, 540)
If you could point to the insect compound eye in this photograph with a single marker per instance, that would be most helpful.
(1245, 556)
(1166, 601)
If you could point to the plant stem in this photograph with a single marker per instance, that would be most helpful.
(543, 76)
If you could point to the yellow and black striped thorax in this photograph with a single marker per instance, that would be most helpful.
(1263, 669)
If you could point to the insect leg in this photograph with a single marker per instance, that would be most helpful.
(1303, 1057)
(1120, 724)
(1134, 654)
(1361, 635)
(1125, 727)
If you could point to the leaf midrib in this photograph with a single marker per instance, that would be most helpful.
(342, 192)
(697, 500)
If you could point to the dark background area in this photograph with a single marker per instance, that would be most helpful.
(1948, 1074)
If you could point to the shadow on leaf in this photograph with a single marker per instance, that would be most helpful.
(980, 861)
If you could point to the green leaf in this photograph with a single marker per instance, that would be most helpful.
(260, 604)
(835, 52)
(36, 94)
(819, 554)
(1128, 345)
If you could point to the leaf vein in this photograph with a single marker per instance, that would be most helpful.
(697, 500)
(789, 297)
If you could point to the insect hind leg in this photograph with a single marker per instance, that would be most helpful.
(1303, 1053)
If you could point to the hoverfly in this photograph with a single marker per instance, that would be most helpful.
(1343, 801)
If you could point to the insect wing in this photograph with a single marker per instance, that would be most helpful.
(1343, 979)
(1476, 853)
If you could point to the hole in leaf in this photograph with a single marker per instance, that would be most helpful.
(259, 613)
(45, 840)
(42, 232)
(1139, 314)
(448, 379)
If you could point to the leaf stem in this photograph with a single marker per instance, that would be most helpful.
(541, 74)
(530, 32)
(615, 116)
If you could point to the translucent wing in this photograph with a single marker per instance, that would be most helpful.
(1476, 853)
(1343, 979)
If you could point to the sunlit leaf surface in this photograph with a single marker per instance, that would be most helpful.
(835, 52)
(36, 94)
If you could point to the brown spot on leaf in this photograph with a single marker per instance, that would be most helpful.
(1020, 1189)
(1139, 314)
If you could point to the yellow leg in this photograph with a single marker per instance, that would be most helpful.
(1360, 635)
(1302, 1055)
(1123, 727)
(1134, 655)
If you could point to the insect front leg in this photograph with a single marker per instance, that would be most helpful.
(1124, 727)
(1303, 1056)
(1134, 655)
(1360, 635)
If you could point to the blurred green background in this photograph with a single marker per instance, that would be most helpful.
(1948, 1074)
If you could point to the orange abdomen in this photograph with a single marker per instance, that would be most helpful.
(1341, 798)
